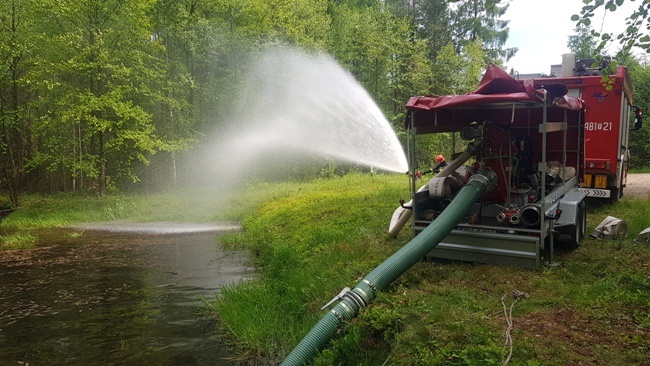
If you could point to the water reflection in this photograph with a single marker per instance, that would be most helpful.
(113, 298)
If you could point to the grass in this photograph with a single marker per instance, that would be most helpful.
(640, 170)
(17, 241)
(310, 240)
(62, 210)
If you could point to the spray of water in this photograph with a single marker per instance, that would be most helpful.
(295, 106)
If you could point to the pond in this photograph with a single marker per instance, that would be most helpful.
(115, 295)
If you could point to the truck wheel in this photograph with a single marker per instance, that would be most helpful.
(614, 195)
(620, 194)
(582, 217)
(617, 192)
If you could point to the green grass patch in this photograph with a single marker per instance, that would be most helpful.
(309, 240)
(65, 209)
(640, 170)
(17, 241)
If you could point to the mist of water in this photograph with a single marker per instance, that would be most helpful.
(296, 106)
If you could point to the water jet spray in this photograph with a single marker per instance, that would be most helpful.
(298, 107)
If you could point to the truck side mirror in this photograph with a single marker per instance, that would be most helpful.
(638, 117)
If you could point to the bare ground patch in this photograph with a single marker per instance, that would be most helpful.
(577, 338)
(638, 186)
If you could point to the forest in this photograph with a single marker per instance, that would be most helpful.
(96, 94)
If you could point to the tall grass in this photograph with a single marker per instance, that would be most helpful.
(310, 240)
(308, 243)
(64, 209)
(640, 170)
(17, 241)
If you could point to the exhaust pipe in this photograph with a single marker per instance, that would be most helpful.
(531, 215)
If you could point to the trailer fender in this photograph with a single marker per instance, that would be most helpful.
(572, 224)
(569, 204)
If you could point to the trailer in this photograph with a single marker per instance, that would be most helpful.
(610, 115)
(530, 141)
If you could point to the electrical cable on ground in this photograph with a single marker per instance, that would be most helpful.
(507, 313)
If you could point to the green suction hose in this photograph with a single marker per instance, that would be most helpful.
(351, 301)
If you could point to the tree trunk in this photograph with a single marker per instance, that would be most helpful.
(102, 167)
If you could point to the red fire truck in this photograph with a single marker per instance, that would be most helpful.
(610, 112)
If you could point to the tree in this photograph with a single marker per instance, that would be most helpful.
(363, 40)
(429, 21)
(582, 43)
(453, 73)
(410, 72)
(458, 73)
(640, 140)
(637, 33)
(17, 40)
(91, 91)
(479, 19)
(96, 78)
(186, 30)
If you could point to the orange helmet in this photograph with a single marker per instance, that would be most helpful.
(440, 158)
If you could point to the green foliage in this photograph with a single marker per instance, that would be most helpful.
(635, 34)
(17, 241)
(93, 92)
(18, 44)
(96, 81)
(363, 41)
(458, 73)
(320, 230)
(640, 139)
(428, 20)
(65, 209)
(480, 19)
(582, 43)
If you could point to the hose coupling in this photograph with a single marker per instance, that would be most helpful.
(369, 283)
(355, 299)
(350, 300)
(336, 298)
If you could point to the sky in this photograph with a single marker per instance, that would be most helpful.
(541, 30)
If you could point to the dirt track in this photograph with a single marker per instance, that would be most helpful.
(638, 186)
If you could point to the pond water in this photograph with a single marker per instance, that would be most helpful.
(104, 296)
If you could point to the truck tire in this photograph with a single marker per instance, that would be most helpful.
(582, 217)
(617, 192)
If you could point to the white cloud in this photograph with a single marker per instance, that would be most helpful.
(541, 30)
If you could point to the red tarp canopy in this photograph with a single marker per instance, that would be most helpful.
(498, 87)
